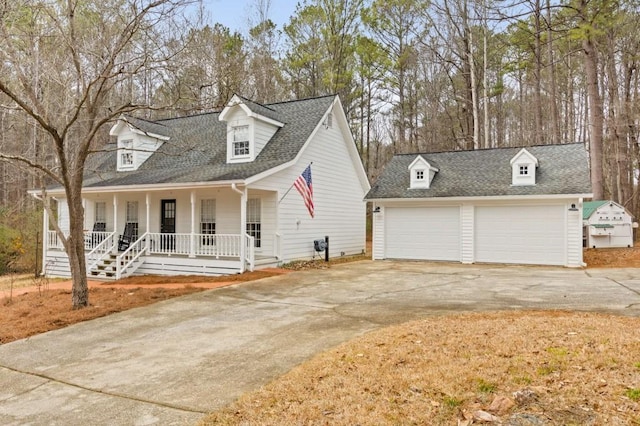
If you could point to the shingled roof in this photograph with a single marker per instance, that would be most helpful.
(563, 169)
(196, 149)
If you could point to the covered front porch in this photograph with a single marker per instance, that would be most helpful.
(198, 231)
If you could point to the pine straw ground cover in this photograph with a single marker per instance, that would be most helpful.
(510, 368)
(27, 314)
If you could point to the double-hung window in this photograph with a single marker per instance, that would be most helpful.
(240, 141)
(132, 218)
(100, 218)
(208, 221)
(254, 221)
(126, 153)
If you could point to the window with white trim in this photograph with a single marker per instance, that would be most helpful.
(208, 221)
(240, 141)
(126, 153)
(132, 218)
(524, 170)
(100, 215)
(253, 221)
(419, 174)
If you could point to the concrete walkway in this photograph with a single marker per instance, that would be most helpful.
(174, 361)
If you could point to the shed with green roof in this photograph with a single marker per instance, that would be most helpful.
(606, 224)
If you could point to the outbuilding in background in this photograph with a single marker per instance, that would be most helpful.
(607, 224)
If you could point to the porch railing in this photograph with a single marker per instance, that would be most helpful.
(250, 254)
(53, 242)
(215, 245)
(130, 255)
(106, 245)
(92, 239)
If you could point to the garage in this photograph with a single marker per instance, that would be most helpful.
(519, 205)
(533, 234)
(423, 233)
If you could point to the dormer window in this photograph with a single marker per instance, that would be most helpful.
(421, 173)
(523, 166)
(126, 153)
(137, 141)
(250, 126)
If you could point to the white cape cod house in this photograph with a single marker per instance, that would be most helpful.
(213, 193)
(505, 205)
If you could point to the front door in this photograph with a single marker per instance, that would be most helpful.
(167, 224)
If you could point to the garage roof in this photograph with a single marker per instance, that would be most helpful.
(563, 169)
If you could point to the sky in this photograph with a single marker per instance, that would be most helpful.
(234, 13)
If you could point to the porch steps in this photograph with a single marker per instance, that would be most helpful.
(106, 269)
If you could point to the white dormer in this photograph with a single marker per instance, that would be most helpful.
(248, 131)
(523, 168)
(134, 145)
(421, 173)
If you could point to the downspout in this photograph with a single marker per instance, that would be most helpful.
(243, 224)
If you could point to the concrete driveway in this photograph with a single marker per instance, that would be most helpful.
(172, 362)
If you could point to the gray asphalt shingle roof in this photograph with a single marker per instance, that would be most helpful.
(148, 126)
(563, 169)
(262, 110)
(196, 150)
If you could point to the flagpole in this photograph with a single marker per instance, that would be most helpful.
(294, 182)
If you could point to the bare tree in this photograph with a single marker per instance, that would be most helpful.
(62, 64)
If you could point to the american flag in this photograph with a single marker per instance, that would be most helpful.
(304, 187)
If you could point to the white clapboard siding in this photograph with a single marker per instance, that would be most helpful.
(163, 265)
(262, 133)
(338, 198)
(63, 216)
(57, 264)
(378, 232)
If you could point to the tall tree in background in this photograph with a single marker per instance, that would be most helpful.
(262, 46)
(321, 47)
(397, 26)
(371, 63)
(62, 64)
(303, 62)
(592, 18)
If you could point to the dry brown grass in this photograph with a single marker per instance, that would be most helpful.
(582, 369)
(570, 369)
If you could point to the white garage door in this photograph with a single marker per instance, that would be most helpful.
(422, 233)
(520, 234)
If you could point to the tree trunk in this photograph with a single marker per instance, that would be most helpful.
(75, 251)
(485, 77)
(555, 116)
(596, 117)
(474, 86)
(537, 99)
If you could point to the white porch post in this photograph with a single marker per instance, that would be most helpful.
(147, 200)
(243, 224)
(115, 220)
(243, 229)
(45, 237)
(192, 248)
(84, 215)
